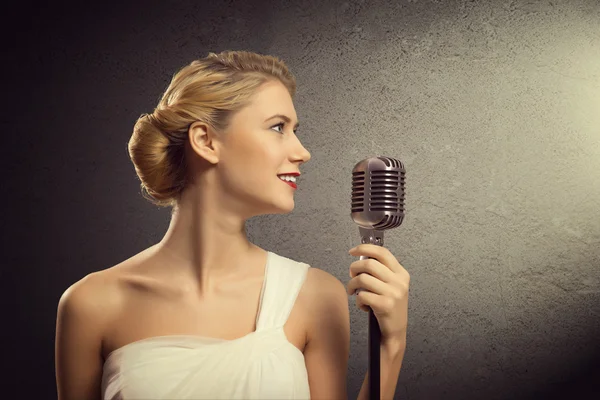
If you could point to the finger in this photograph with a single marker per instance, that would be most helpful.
(372, 267)
(361, 306)
(379, 253)
(370, 301)
(367, 282)
(359, 301)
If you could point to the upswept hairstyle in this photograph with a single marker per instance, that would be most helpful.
(211, 90)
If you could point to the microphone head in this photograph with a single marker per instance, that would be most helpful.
(378, 193)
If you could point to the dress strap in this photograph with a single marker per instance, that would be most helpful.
(283, 280)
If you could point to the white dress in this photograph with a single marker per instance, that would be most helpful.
(260, 365)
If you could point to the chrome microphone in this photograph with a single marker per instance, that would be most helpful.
(377, 205)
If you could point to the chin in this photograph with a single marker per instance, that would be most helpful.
(287, 209)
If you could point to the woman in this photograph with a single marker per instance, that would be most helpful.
(205, 313)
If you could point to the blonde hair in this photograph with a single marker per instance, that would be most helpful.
(211, 90)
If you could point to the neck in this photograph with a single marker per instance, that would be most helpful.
(207, 247)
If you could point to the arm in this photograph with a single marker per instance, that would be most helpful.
(78, 356)
(392, 355)
(328, 346)
(328, 336)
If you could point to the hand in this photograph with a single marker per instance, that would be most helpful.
(385, 283)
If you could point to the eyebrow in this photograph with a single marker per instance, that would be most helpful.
(285, 118)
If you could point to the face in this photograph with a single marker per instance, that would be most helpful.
(255, 149)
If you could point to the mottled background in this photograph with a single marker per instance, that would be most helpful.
(493, 106)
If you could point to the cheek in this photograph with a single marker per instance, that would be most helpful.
(253, 164)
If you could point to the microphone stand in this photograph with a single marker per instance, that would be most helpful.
(373, 236)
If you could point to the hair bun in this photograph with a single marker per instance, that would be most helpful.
(149, 151)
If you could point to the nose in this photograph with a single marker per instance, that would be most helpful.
(303, 155)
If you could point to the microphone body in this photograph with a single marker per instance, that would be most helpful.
(377, 205)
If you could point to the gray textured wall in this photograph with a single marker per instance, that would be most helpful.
(493, 106)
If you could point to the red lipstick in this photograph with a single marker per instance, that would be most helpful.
(292, 184)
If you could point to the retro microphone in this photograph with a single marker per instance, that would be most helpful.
(377, 205)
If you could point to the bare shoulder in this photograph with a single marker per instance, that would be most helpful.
(325, 296)
(84, 312)
(324, 283)
(89, 288)
(328, 335)
(99, 292)
(91, 298)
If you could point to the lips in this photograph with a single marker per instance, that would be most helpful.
(289, 183)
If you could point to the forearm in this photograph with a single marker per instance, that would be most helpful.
(392, 355)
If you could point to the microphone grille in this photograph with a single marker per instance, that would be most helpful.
(378, 193)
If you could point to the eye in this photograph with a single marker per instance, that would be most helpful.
(282, 124)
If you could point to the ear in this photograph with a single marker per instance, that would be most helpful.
(202, 140)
